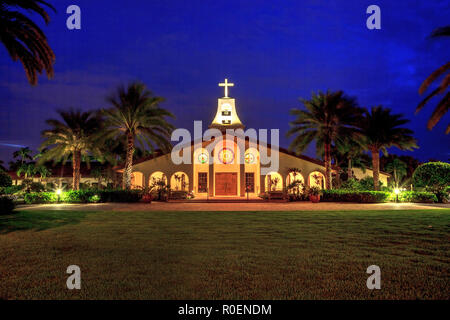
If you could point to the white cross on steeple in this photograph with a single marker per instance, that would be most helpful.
(226, 85)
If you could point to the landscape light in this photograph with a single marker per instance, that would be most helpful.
(396, 191)
(58, 193)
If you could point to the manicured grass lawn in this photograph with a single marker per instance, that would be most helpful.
(226, 255)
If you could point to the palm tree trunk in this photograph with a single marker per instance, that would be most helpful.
(129, 162)
(327, 158)
(76, 164)
(376, 168)
(349, 169)
(396, 182)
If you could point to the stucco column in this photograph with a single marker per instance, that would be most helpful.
(145, 178)
(262, 183)
(242, 179)
(190, 175)
(211, 180)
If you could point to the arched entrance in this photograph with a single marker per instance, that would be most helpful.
(295, 183)
(317, 179)
(179, 181)
(274, 182)
(157, 177)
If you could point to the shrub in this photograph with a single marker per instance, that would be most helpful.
(298, 197)
(314, 191)
(84, 196)
(5, 179)
(12, 189)
(367, 183)
(40, 197)
(355, 196)
(444, 195)
(433, 176)
(95, 198)
(50, 186)
(416, 196)
(36, 187)
(6, 205)
(351, 184)
(78, 196)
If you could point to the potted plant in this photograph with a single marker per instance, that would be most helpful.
(314, 194)
(147, 195)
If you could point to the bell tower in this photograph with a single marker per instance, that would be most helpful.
(226, 116)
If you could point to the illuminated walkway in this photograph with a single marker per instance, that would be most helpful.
(260, 206)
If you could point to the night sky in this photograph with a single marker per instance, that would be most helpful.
(274, 52)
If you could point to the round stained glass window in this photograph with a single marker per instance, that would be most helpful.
(226, 156)
(203, 158)
(249, 158)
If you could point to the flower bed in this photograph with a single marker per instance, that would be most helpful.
(355, 196)
(416, 196)
(377, 196)
(84, 196)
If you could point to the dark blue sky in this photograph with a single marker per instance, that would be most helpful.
(274, 51)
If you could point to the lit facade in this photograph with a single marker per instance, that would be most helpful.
(225, 172)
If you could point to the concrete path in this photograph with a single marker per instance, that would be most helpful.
(262, 206)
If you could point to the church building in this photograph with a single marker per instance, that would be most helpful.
(233, 167)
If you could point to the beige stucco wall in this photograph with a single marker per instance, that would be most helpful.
(359, 174)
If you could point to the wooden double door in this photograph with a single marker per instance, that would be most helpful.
(226, 184)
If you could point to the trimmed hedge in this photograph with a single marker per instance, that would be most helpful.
(354, 196)
(84, 196)
(376, 196)
(6, 205)
(40, 197)
(416, 196)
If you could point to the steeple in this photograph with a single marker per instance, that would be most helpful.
(226, 116)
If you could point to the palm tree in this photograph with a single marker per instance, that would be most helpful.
(2, 166)
(398, 169)
(77, 136)
(23, 38)
(135, 115)
(328, 118)
(382, 130)
(28, 170)
(43, 172)
(350, 152)
(23, 154)
(444, 105)
(98, 173)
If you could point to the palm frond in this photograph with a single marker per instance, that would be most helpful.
(441, 32)
(24, 40)
(441, 109)
(432, 77)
